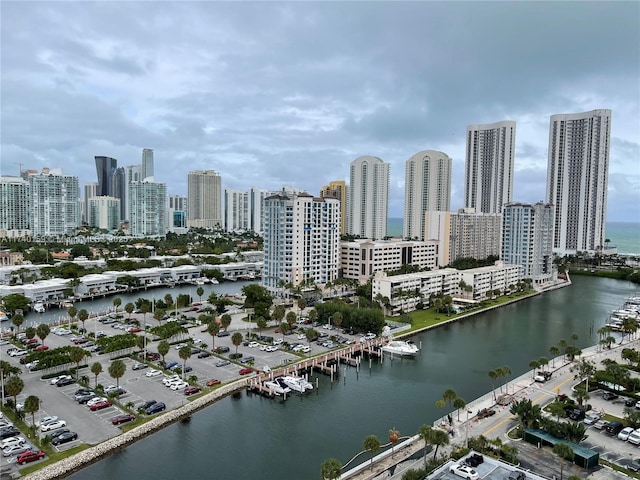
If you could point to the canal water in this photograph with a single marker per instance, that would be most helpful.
(250, 437)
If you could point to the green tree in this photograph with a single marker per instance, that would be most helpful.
(213, 328)
(528, 414)
(554, 351)
(284, 329)
(43, 331)
(563, 450)
(278, 314)
(168, 300)
(425, 433)
(72, 312)
(337, 319)
(116, 370)
(83, 315)
(96, 369)
(331, 469)
(225, 321)
(17, 319)
(200, 292)
(459, 404)
(158, 315)
(31, 407)
(116, 303)
(439, 438)
(290, 318)
(76, 355)
(13, 387)
(493, 375)
(163, 348)
(185, 354)
(372, 445)
(30, 332)
(129, 308)
(302, 304)
(145, 308)
(236, 339)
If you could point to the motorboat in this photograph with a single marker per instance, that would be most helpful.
(276, 388)
(306, 384)
(38, 307)
(294, 383)
(401, 348)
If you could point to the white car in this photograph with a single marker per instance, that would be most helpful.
(305, 349)
(179, 385)
(153, 373)
(253, 344)
(592, 418)
(47, 419)
(169, 380)
(17, 353)
(634, 437)
(14, 450)
(624, 433)
(7, 442)
(47, 427)
(463, 471)
(60, 377)
(95, 400)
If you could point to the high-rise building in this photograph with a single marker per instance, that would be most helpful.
(204, 193)
(368, 198)
(489, 166)
(147, 215)
(338, 189)
(577, 178)
(15, 205)
(527, 238)
(104, 213)
(427, 187)
(177, 214)
(120, 187)
(105, 169)
(133, 173)
(55, 203)
(464, 234)
(90, 191)
(301, 240)
(147, 163)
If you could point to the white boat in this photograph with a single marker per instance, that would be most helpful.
(401, 348)
(3, 317)
(307, 385)
(276, 388)
(294, 383)
(38, 307)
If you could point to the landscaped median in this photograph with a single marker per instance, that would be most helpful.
(93, 454)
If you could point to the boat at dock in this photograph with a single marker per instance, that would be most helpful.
(401, 348)
(276, 388)
(38, 307)
(297, 384)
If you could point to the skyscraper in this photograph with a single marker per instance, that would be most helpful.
(338, 189)
(577, 178)
(104, 212)
(427, 188)
(105, 170)
(90, 191)
(147, 163)
(15, 205)
(301, 240)
(204, 194)
(55, 203)
(527, 232)
(368, 198)
(489, 166)
(147, 215)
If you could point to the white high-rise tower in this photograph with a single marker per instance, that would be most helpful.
(427, 187)
(368, 198)
(577, 177)
(489, 166)
(204, 194)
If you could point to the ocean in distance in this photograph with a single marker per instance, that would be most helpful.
(624, 235)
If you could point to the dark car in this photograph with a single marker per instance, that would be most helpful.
(516, 475)
(147, 404)
(82, 399)
(247, 360)
(64, 382)
(609, 396)
(629, 402)
(55, 433)
(29, 456)
(486, 412)
(613, 428)
(191, 390)
(576, 414)
(223, 333)
(7, 432)
(64, 438)
(634, 466)
(222, 349)
(124, 418)
(222, 363)
(172, 365)
(155, 408)
(82, 391)
(204, 354)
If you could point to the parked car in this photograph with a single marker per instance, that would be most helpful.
(223, 333)
(464, 471)
(147, 404)
(55, 433)
(245, 371)
(222, 363)
(46, 427)
(601, 424)
(624, 433)
(204, 354)
(47, 419)
(155, 408)
(634, 466)
(178, 385)
(486, 412)
(172, 365)
(7, 442)
(29, 456)
(609, 395)
(12, 450)
(64, 438)
(95, 400)
(54, 381)
(124, 418)
(65, 381)
(212, 382)
(82, 399)
(139, 366)
(6, 432)
(222, 349)
(629, 402)
(100, 405)
(613, 428)
(153, 373)
(591, 419)
(634, 437)
(191, 390)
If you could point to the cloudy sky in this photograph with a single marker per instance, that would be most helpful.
(272, 94)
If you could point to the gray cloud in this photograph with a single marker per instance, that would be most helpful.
(269, 93)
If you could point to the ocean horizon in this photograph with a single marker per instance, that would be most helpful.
(624, 235)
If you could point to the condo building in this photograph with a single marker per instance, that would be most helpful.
(15, 205)
(368, 198)
(577, 179)
(242, 210)
(55, 203)
(204, 193)
(104, 213)
(147, 163)
(338, 189)
(489, 166)
(147, 214)
(427, 188)
(301, 240)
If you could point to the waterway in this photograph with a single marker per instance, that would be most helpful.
(250, 437)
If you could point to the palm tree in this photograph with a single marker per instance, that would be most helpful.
(76, 355)
(225, 321)
(236, 339)
(129, 308)
(331, 469)
(278, 314)
(372, 445)
(30, 332)
(82, 316)
(144, 308)
(424, 432)
(116, 370)
(394, 435)
(185, 354)
(337, 319)
(17, 319)
(43, 331)
(158, 315)
(440, 437)
(554, 351)
(459, 404)
(116, 303)
(493, 375)
(163, 349)
(534, 365)
(213, 328)
(168, 300)
(290, 318)
(528, 414)
(261, 322)
(284, 328)
(72, 312)
(506, 371)
(302, 304)
(200, 292)
(449, 395)
(13, 386)
(96, 369)
(31, 406)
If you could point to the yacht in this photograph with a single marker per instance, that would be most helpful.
(401, 348)
(38, 307)
(276, 388)
(294, 383)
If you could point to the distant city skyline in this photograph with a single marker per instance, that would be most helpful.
(270, 94)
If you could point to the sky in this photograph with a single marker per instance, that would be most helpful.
(290, 93)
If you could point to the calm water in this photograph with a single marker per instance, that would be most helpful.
(255, 438)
